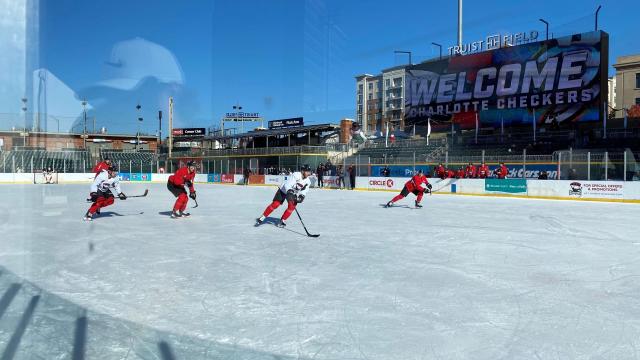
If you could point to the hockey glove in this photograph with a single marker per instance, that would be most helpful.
(291, 196)
(188, 183)
(94, 196)
(429, 186)
(300, 199)
(192, 195)
(122, 196)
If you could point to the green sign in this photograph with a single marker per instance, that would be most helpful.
(511, 186)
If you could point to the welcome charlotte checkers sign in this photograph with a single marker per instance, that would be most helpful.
(510, 186)
(563, 78)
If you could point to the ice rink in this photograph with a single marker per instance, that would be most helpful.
(463, 278)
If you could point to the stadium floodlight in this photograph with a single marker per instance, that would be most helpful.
(546, 23)
(439, 46)
(404, 52)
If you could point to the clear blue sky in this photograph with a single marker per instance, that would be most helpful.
(281, 58)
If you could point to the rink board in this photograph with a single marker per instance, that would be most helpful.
(541, 189)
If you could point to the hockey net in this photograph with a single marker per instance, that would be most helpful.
(45, 177)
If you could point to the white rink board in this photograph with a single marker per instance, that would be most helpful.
(465, 277)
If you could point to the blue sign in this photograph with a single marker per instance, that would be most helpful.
(125, 176)
(213, 178)
(532, 171)
(400, 170)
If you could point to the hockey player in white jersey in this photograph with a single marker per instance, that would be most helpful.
(103, 190)
(293, 190)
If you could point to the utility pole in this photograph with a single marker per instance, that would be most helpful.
(460, 23)
(170, 125)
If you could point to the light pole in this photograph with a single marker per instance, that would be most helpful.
(237, 109)
(138, 107)
(84, 131)
(440, 46)
(24, 108)
(57, 122)
(404, 52)
(546, 23)
(597, 11)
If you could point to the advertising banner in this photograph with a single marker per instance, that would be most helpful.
(213, 178)
(256, 179)
(226, 178)
(187, 132)
(385, 183)
(140, 177)
(273, 179)
(561, 80)
(532, 171)
(329, 181)
(286, 123)
(510, 186)
(238, 179)
(596, 189)
(399, 170)
(124, 176)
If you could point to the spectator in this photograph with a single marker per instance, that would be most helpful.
(320, 171)
(573, 174)
(245, 176)
(502, 171)
(483, 171)
(340, 175)
(460, 173)
(471, 171)
(451, 174)
(386, 172)
(543, 175)
(352, 176)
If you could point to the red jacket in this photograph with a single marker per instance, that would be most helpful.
(451, 174)
(182, 176)
(470, 172)
(416, 183)
(460, 174)
(440, 171)
(101, 166)
(483, 171)
(502, 172)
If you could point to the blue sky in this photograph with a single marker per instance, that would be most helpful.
(281, 58)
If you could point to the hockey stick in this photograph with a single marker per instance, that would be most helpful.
(305, 228)
(146, 191)
(194, 200)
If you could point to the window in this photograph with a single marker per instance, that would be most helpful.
(360, 99)
(397, 81)
(370, 86)
(360, 88)
(387, 83)
(637, 82)
(637, 101)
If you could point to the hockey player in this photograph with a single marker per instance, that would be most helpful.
(176, 183)
(103, 165)
(502, 171)
(470, 172)
(413, 186)
(105, 186)
(460, 173)
(440, 171)
(483, 171)
(293, 190)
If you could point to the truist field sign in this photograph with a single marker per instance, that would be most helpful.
(562, 77)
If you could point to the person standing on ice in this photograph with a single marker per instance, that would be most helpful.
(176, 183)
(105, 186)
(413, 186)
(293, 190)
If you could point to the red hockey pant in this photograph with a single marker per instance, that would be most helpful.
(100, 203)
(291, 206)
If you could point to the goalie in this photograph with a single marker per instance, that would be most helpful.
(47, 174)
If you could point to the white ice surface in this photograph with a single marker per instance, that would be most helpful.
(463, 278)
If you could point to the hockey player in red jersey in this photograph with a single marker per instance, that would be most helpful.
(502, 171)
(413, 186)
(440, 171)
(103, 165)
(182, 177)
(103, 189)
(470, 172)
(483, 171)
(460, 173)
(293, 190)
